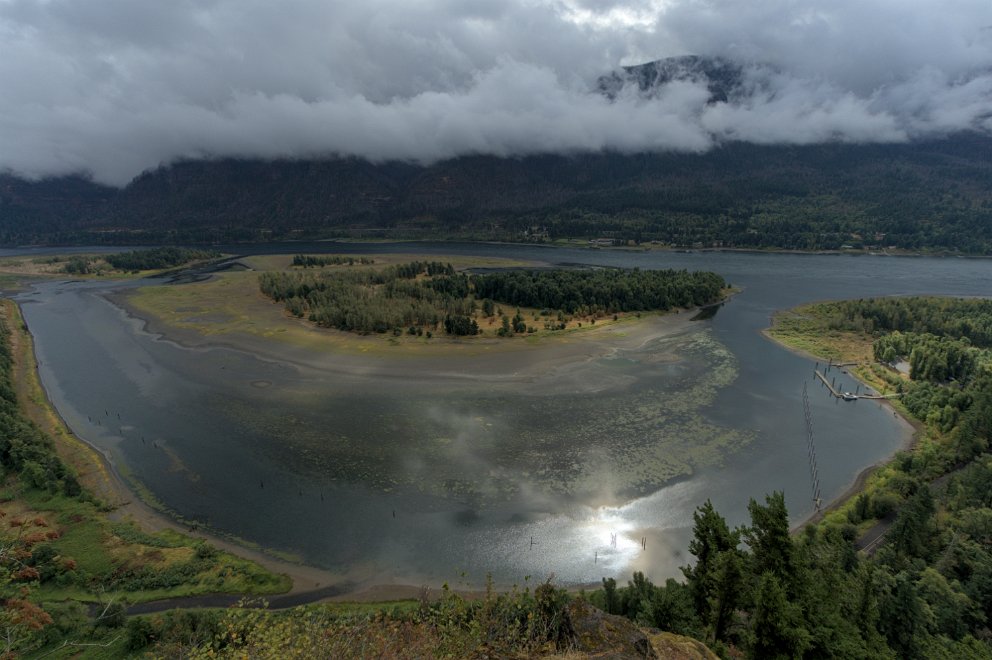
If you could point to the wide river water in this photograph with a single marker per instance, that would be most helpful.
(581, 464)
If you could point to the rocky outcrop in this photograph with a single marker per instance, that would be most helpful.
(606, 636)
(676, 647)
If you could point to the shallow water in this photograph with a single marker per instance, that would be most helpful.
(521, 469)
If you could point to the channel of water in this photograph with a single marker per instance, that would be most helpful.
(582, 466)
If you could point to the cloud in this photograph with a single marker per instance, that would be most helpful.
(114, 87)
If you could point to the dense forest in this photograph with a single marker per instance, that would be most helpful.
(135, 260)
(424, 297)
(929, 195)
(602, 290)
(157, 258)
(927, 591)
(320, 261)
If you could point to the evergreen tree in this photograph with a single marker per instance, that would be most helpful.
(770, 543)
(715, 581)
(903, 619)
(777, 630)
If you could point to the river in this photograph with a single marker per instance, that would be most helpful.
(584, 467)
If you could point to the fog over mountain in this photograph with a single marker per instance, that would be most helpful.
(114, 87)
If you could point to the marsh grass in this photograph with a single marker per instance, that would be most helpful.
(807, 329)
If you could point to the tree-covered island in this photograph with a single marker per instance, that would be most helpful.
(428, 297)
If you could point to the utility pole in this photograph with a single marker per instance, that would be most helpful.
(811, 451)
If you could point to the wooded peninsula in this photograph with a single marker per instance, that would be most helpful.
(421, 296)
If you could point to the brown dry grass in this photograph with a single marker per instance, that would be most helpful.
(231, 303)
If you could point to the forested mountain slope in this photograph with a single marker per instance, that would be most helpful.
(926, 195)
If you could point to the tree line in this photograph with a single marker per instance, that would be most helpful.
(136, 260)
(606, 290)
(319, 261)
(432, 296)
(955, 318)
(919, 195)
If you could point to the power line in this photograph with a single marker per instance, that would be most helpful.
(811, 452)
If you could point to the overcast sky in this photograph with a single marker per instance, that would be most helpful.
(114, 87)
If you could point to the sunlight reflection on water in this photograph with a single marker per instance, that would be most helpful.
(546, 458)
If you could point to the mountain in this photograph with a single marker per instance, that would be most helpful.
(929, 195)
(723, 78)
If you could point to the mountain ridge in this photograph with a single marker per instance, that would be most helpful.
(723, 78)
(913, 196)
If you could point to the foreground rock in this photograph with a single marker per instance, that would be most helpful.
(607, 636)
(676, 647)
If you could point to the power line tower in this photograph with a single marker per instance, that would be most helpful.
(811, 451)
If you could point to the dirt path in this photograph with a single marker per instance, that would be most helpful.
(230, 600)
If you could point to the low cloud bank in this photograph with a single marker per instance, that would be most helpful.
(119, 86)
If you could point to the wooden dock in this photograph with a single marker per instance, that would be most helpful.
(855, 397)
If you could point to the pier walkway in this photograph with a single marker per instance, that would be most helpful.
(847, 396)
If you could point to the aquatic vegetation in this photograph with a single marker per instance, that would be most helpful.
(490, 443)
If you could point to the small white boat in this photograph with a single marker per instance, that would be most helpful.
(847, 396)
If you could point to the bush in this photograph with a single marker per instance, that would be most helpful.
(113, 617)
(884, 504)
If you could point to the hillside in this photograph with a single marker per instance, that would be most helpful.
(921, 196)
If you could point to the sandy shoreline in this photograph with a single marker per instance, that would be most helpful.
(485, 358)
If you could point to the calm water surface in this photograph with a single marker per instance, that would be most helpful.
(529, 472)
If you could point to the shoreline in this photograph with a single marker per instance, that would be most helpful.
(307, 580)
(126, 505)
(587, 245)
(912, 432)
(522, 358)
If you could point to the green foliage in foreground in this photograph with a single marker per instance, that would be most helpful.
(928, 592)
(519, 624)
(432, 296)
